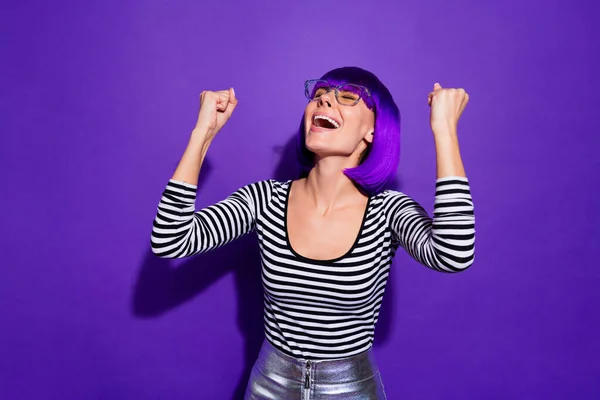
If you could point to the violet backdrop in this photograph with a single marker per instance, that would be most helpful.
(97, 102)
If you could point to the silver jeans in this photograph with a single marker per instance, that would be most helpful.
(277, 376)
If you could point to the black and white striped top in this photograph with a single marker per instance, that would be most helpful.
(315, 309)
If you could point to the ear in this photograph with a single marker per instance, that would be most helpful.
(369, 137)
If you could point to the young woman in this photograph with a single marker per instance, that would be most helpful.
(327, 239)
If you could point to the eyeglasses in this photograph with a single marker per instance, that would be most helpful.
(347, 94)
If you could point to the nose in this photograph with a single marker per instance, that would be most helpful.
(326, 99)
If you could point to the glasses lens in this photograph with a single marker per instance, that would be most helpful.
(349, 94)
(315, 88)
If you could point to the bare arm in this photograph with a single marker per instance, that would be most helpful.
(191, 162)
(215, 110)
(448, 160)
(447, 106)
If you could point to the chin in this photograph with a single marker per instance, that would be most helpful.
(317, 148)
(325, 149)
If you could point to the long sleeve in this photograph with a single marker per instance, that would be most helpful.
(446, 242)
(180, 231)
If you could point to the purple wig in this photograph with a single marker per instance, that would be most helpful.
(379, 163)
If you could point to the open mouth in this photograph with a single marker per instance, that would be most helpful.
(323, 121)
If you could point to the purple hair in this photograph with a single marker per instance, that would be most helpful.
(379, 163)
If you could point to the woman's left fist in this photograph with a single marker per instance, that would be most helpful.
(447, 106)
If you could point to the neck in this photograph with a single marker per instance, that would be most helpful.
(327, 185)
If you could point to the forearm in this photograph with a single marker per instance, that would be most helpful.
(449, 161)
(190, 164)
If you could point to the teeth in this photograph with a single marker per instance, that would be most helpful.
(333, 122)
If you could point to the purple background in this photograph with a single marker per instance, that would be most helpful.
(97, 103)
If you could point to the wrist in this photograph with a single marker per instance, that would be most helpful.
(201, 135)
(200, 139)
(201, 132)
(444, 128)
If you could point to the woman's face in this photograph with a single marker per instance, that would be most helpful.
(333, 129)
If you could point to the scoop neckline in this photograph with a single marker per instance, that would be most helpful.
(313, 260)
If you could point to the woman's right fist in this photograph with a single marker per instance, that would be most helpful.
(215, 110)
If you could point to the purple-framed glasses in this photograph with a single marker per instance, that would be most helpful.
(347, 94)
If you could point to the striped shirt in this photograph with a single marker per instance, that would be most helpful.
(316, 309)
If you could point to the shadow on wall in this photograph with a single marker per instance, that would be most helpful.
(160, 287)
